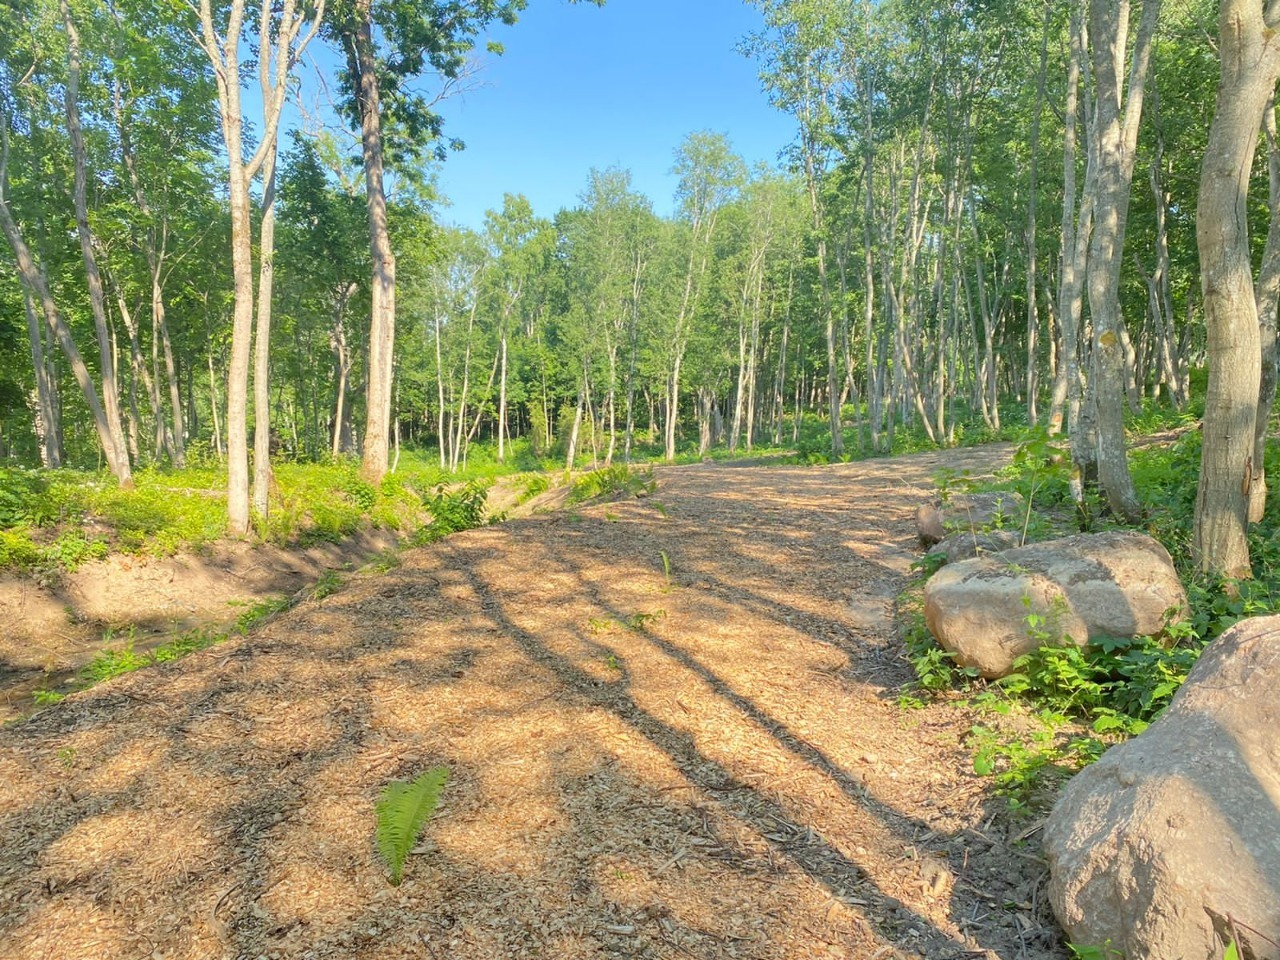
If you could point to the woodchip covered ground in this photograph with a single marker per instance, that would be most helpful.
(673, 731)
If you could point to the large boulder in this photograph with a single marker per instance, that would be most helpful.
(991, 610)
(960, 512)
(1172, 840)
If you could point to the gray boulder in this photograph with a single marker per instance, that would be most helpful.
(968, 544)
(1172, 839)
(971, 512)
(991, 610)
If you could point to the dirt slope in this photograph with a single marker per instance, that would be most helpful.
(698, 758)
(48, 632)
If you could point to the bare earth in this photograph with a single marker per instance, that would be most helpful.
(48, 632)
(699, 758)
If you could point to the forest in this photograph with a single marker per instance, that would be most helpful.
(377, 586)
(995, 216)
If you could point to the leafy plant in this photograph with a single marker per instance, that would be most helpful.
(532, 486)
(402, 812)
(640, 621)
(452, 512)
(614, 483)
(20, 493)
(112, 662)
(929, 564)
(327, 585)
(1022, 765)
(73, 548)
(256, 613)
(18, 550)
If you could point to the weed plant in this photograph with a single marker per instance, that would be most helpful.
(612, 483)
(454, 511)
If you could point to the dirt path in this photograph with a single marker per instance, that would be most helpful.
(671, 723)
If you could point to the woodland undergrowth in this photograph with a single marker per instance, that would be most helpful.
(1063, 705)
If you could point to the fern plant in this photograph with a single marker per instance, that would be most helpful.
(402, 812)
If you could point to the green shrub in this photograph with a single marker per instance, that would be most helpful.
(73, 548)
(17, 550)
(533, 486)
(361, 493)
(454, 511)
(21, 494)
(612, 483)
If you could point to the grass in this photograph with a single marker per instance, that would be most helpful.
(53, 521)
(617, 482)
(118, 659)
(120, 656)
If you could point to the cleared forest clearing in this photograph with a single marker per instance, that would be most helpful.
(673, 731)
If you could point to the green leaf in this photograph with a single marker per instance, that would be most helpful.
(402, 812)
(984, 763)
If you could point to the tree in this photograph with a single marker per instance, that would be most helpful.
(1249, 49)
(710, 176)
(325, 271)
(1117, 116)
(519, 246)
(282, 41)
(802, 67)
(33, 272)
(388, 44)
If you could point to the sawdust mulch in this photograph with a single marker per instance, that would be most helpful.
(673, 732)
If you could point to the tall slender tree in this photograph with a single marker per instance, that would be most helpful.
(282, 39)
(1249, 49)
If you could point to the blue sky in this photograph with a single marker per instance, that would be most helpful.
(581, 87)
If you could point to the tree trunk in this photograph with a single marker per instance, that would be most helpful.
(139, 368)
(262, 340)
(36, 283)
(1250, 57)
(673, 408)
(441, 429)
(1267, 290)
(225, 56)
(154, 247)
(502, 399)
(1033, 317)
(48, 430)
(382, 327)
(1116, 134)
(1072, 250)
(1160, 292)
(117, 454)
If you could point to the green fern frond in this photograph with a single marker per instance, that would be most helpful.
(402, 812)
